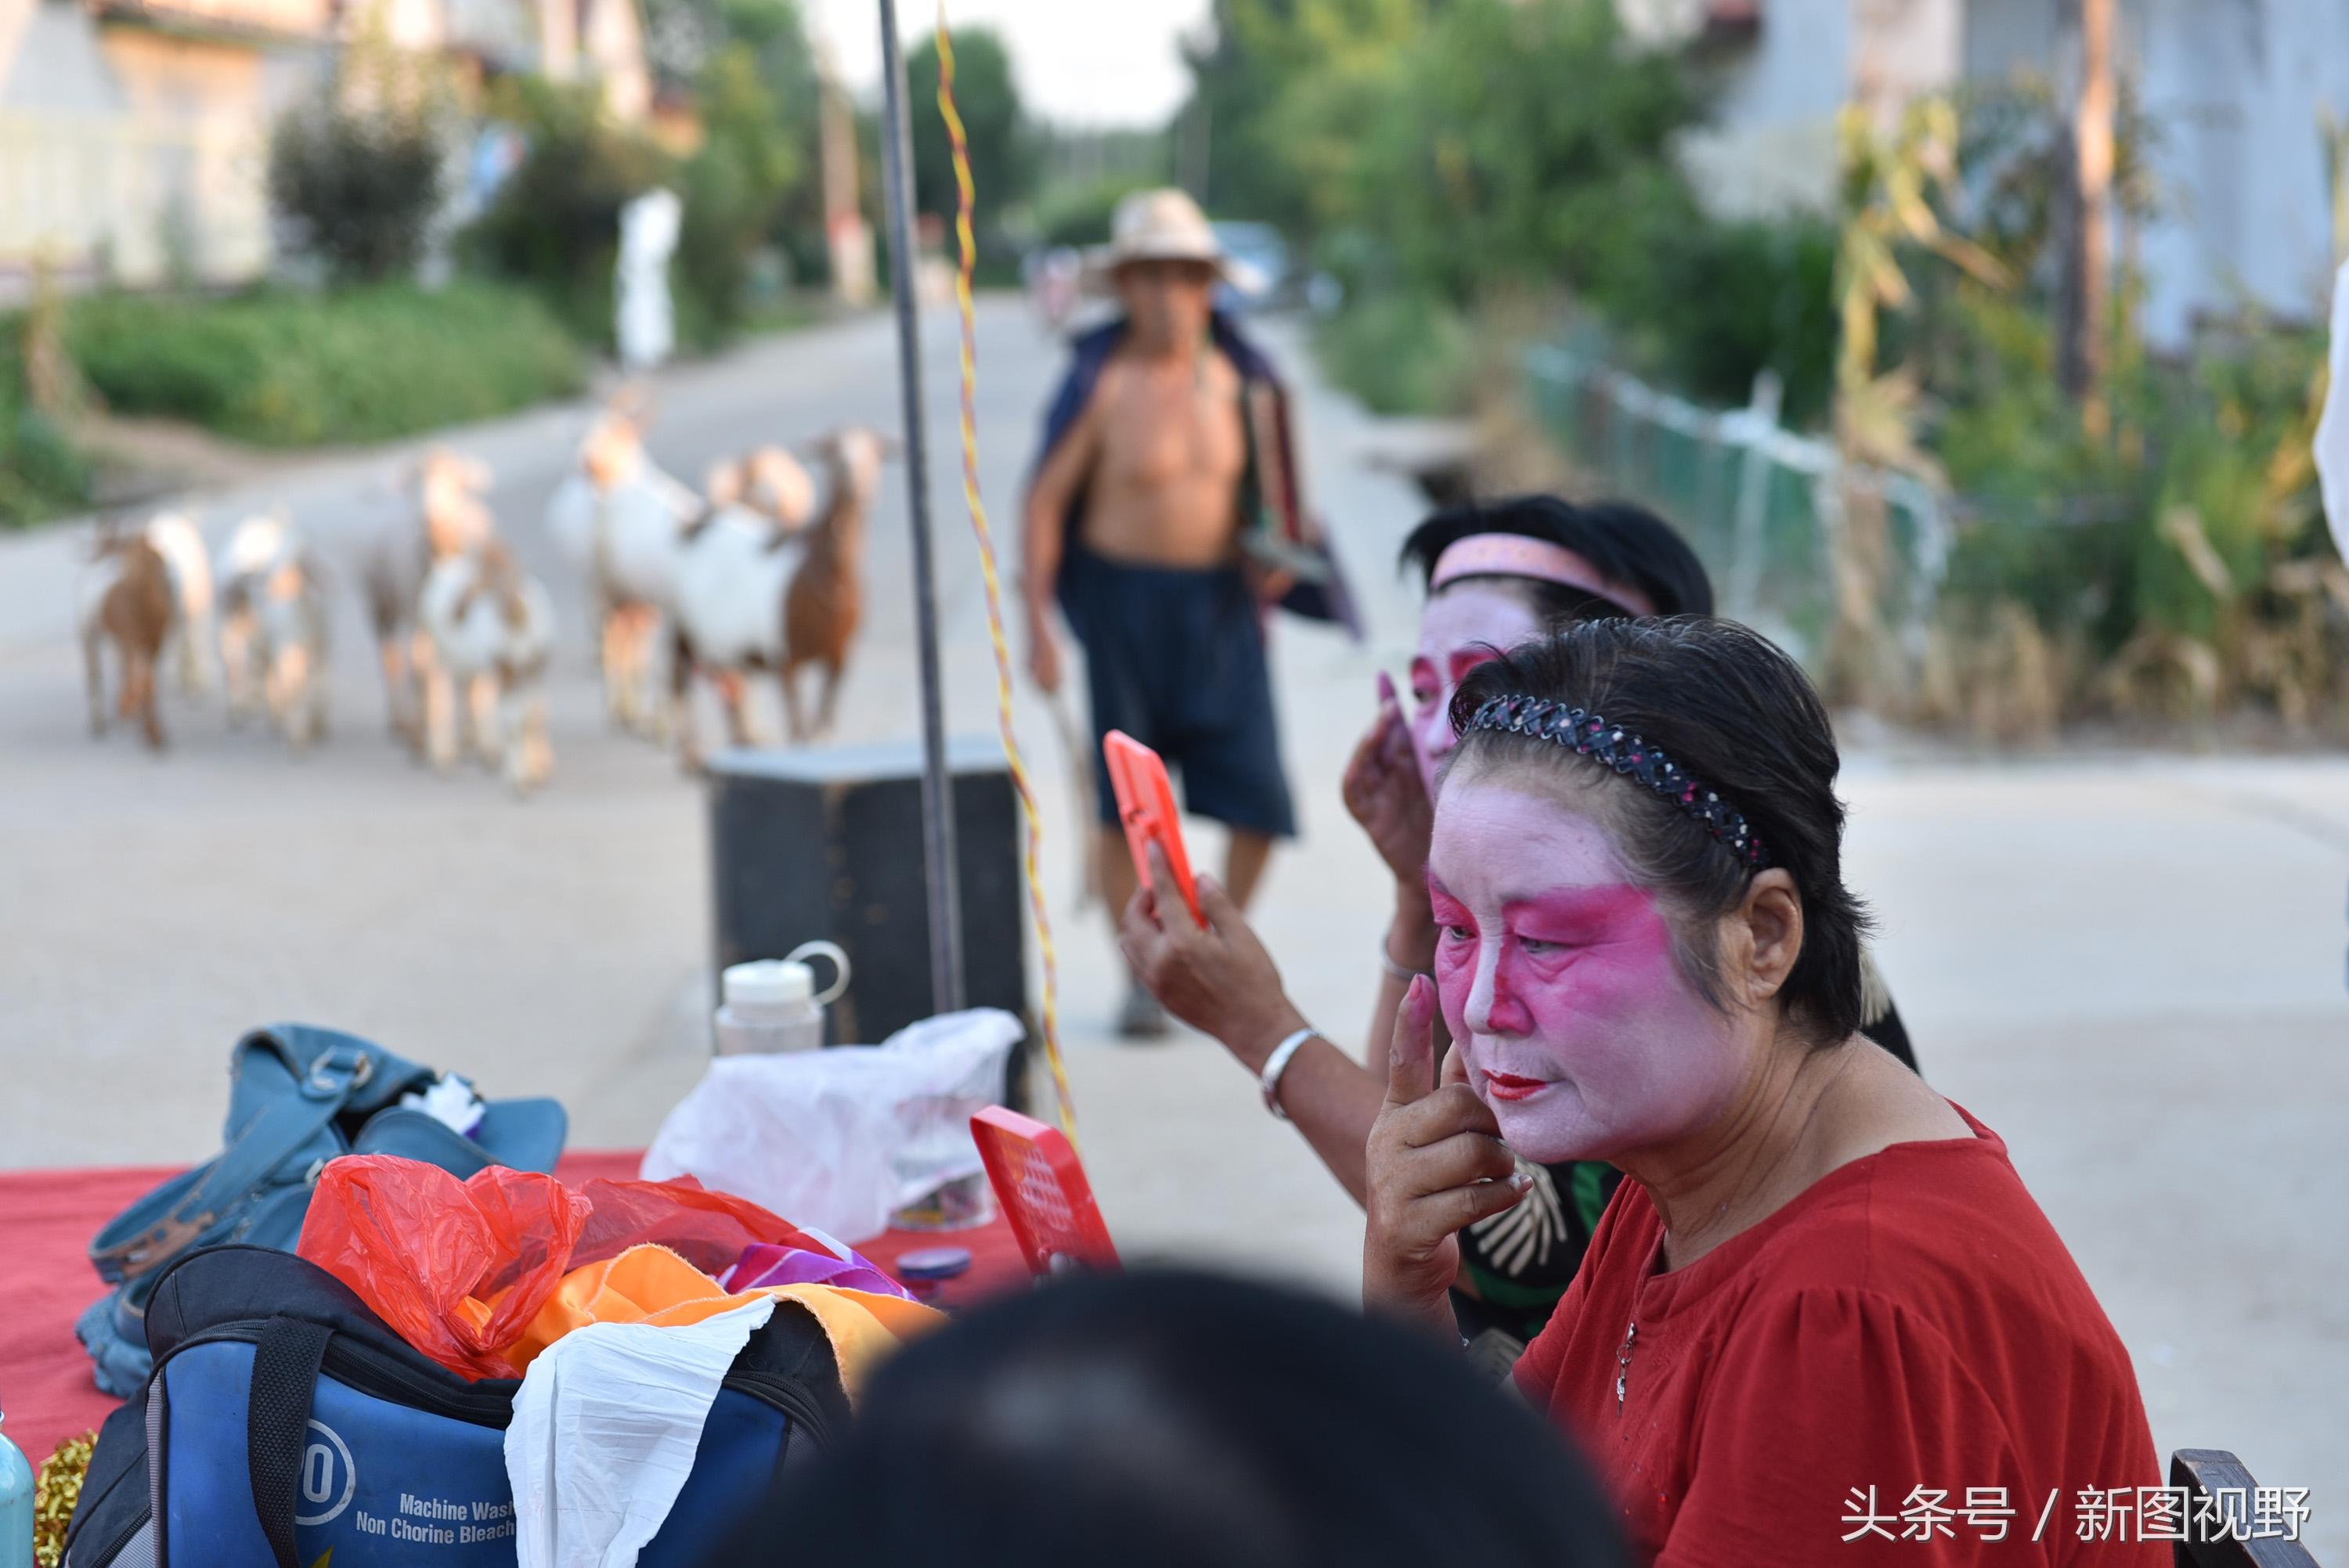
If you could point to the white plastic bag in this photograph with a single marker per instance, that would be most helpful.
(606, 1426)
(839, 1140)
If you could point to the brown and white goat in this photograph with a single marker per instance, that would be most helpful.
(256, 547)
(751, 597)
(452, 518)
(488, 632)
(189, 644)
(133, 607)
(274, 629)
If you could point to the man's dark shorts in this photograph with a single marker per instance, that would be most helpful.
(1175, 659)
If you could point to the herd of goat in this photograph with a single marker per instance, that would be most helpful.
(754, 573)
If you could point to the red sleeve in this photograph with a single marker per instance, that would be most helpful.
(1834, 1389)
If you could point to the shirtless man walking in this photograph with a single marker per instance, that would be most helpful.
(1134, 524)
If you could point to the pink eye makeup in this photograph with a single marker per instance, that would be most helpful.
(1584, 916)
(1467, 659)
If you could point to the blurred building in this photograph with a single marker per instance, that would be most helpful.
(134, 134)
(2236, 92)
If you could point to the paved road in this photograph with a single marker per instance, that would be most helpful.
(2131, 966)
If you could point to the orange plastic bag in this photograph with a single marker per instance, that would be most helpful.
(652, 1285)
(459, 1269)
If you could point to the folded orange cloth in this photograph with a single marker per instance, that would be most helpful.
(650, 1284)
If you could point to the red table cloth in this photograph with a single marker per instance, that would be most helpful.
(47, 1217)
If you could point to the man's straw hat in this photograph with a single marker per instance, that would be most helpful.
(1165, 225)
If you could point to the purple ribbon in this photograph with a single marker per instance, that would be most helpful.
(766, 1263)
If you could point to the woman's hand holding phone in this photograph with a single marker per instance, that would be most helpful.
(1211, 973)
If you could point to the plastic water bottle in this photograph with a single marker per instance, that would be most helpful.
(773, 1005)
(15, 1505)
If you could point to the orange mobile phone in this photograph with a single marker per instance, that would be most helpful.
(1145, 804)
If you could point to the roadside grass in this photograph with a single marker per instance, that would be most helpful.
(278, 368)
(1399, 354)
(42, 473)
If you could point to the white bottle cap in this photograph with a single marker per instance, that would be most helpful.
(769, 983)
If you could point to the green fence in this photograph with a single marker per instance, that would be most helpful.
(1758, 502)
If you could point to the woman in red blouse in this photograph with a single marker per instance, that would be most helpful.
(1822, 1322)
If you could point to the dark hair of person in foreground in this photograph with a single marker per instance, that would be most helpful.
(1165, 1418)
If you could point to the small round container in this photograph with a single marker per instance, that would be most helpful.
(925, 1269)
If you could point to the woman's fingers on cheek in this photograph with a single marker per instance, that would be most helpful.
(1473, 1112)
(1454, 1108)
(1411, 1045)
(1417, 1125)
(1461, 1160)
(1425, 1219)
(1463, 1206)
(1438, 1116)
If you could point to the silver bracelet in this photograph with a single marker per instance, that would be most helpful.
(1395, 971)
(1278, 1063)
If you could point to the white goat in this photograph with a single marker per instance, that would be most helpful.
(188, 645)
(769, 481)
(274, 621)
(255, 548)
(488, 629)
(622, 518)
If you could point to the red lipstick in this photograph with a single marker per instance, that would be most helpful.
(1508, 1086)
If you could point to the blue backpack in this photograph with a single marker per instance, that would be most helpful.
(285, 1426)
(298, 1096)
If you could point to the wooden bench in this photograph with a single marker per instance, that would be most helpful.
(2206, 1475)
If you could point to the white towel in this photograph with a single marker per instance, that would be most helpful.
(605, 1430)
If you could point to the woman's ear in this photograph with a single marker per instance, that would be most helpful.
(1771, 918)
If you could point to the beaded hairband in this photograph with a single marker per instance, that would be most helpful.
(1627, 753)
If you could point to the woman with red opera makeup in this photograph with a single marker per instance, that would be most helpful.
(1820, 1282)
(1498, 572)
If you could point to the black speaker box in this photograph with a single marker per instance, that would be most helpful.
(808, 843)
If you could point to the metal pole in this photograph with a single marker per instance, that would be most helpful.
(937, 789)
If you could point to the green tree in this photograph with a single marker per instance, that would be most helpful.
(1518, 141)
(773, 31)
(1257, 53)
(357, 174)
(554, 224)
(735, 187)
(1002, 156)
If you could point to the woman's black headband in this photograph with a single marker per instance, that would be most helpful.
(1593, 737)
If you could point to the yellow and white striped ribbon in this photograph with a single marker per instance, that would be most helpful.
(965, 200)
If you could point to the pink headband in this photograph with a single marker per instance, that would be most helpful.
(1514, 555)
